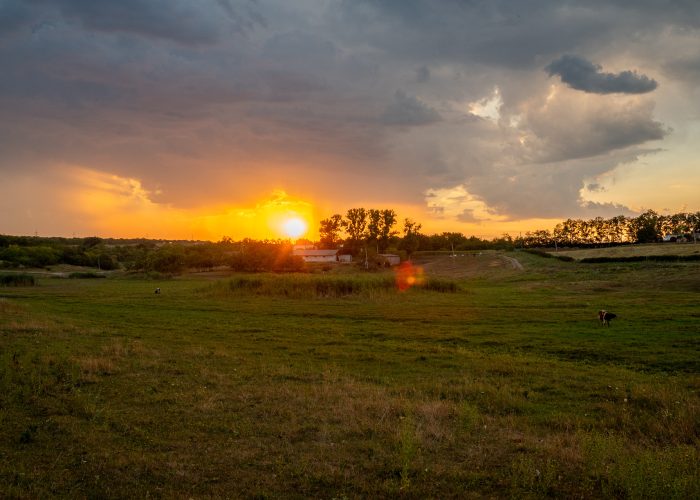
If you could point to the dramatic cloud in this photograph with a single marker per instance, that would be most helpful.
(182, 21)
(581, 74)
(409, 110)
(218, 103)
(568, 125)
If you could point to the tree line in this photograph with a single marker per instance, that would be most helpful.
(141, 255)
(648, 227)
(364, 233)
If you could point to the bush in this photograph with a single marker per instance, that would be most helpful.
(323, 286)
(86, 275)
(441, 285)
(17, 280)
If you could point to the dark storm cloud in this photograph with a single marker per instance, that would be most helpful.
(171, 93)
(581, 74)
(408, 110)
(506, 33)
(14, 14)
(183, 21)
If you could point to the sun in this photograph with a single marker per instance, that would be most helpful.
(294, 227)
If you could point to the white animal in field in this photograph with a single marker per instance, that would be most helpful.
(157, 291)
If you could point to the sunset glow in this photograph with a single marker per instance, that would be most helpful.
(237, 121)
(294, 227)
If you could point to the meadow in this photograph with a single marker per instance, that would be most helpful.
(487, 380)
(637, 250)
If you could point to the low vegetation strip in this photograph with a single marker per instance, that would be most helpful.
(548, 255)
(313, 286)
(17, 280)
(642, 258)
(86, 275)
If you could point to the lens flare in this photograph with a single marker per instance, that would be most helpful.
(408, 275)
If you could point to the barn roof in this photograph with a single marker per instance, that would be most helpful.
(315, 253)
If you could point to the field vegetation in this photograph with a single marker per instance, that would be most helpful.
(624, 251)
(497, 381)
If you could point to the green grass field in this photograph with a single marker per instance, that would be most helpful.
(339, 386)
(682, 249)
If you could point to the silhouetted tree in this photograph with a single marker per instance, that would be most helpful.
(410, 241)
(646, 227)
(329, 231)
(386, 223)
(355, 224)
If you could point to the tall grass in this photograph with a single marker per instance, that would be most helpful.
(314, 286)
(17, 280)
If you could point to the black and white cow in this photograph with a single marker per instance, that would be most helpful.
(605, 317)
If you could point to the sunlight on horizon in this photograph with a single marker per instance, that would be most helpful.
(294, 227)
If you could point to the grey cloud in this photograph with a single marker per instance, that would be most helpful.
(503, 33)
(595, 188)
(300, 48)
(602, 135)
(686, 69)
(570, 126)
(182, 21)
(408, 110)
(422, 74)
(595, 209)
(581, 74)
(14, 14)
(468, 216)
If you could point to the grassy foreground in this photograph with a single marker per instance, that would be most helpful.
(503, 386)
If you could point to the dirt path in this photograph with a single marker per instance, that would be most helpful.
(468, 264)
(514, 263)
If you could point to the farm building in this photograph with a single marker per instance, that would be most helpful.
(674, 238)
(390, 259)
(312, 255)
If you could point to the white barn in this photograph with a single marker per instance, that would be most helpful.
(312, 255)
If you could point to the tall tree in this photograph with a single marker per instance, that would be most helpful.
(386, 231)
(646, 227)
(355, 224)
(411, 233)
(374, 222)
(329, 231)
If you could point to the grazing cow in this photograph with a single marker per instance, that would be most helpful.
(605, 317)
(157, 290)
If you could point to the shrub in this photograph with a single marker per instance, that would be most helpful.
(17, 280)
(441, 285)
(86, 275)
(324, 286)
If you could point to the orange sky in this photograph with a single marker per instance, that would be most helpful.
(93, 203)
(225, 118)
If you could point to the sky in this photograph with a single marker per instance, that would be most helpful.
(200, 119)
